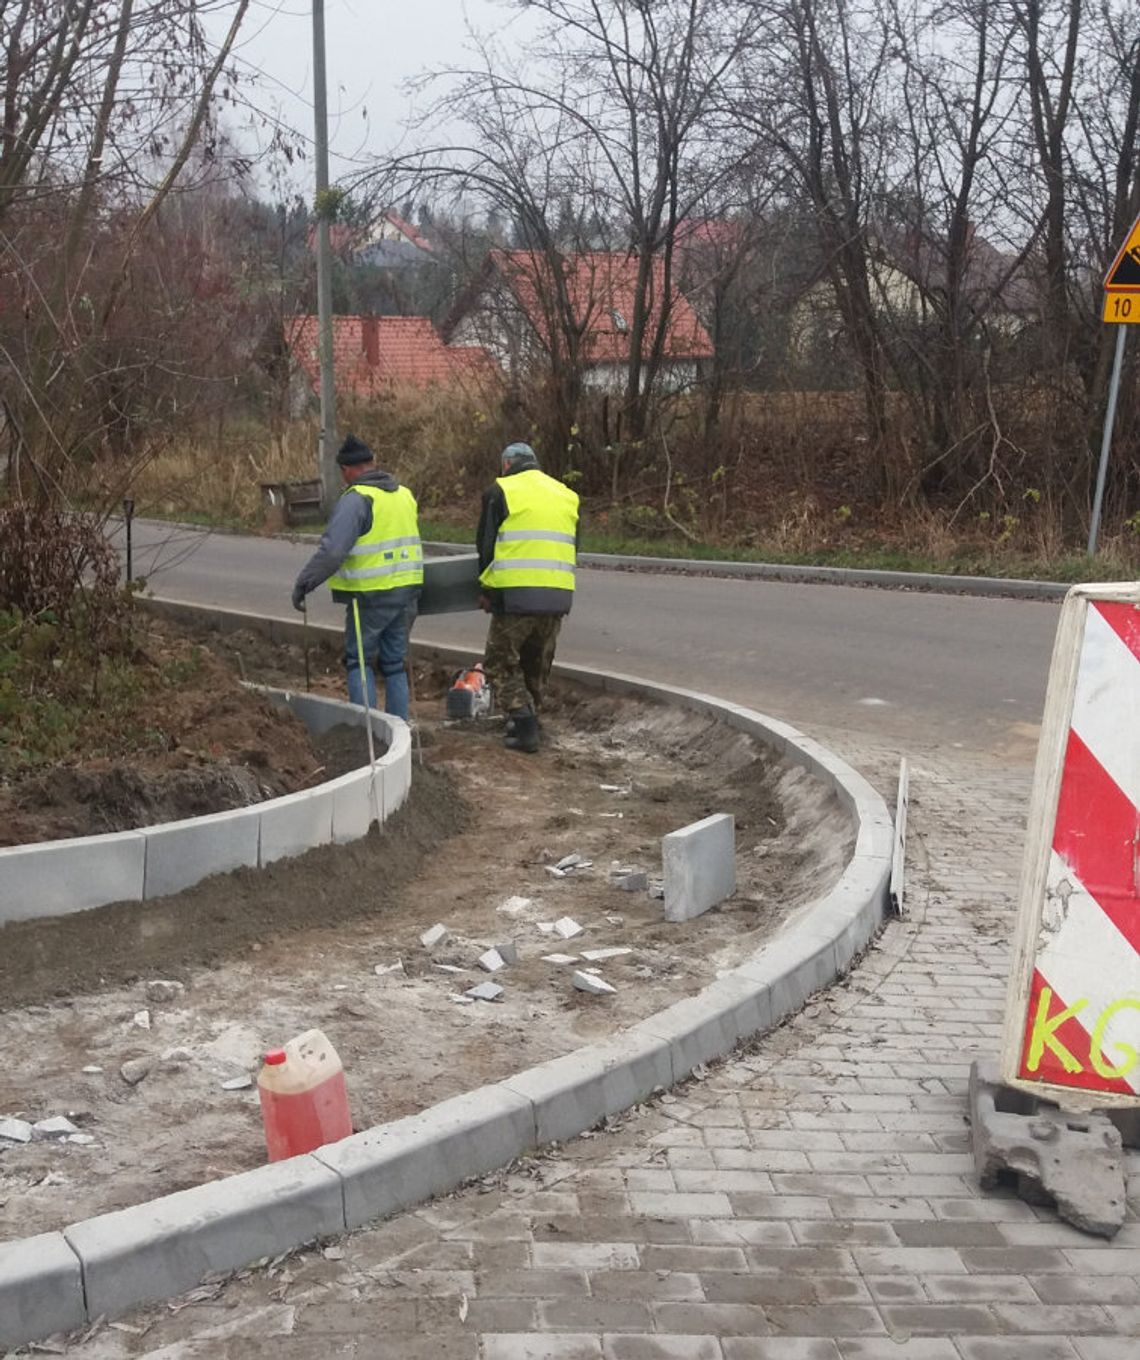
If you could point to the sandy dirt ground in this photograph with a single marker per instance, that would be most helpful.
(258, 957)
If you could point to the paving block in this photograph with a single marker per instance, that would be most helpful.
(699, 862)
(295, 823)
(54, 878)
(161, 1248)
(180, 854)
(398, 1165)
(707, 1026)
(41, 1289)
(437, 934)
(354, 808)
(575, 1092)
(491, 961)
(1074, 1161)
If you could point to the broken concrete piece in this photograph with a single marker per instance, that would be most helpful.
(161, 990)
(492, 961)
(657, 891)
(92, 1070)
(436, 935)
(383, 969)
(560, 958)
(135, 1070)
(634, 881)
(700, 866)
(141, 1019)
(571, 862)
(486, 991)
(449, 968)
(566, 928)
(80, 1139)
(591, 982)
(508, 952)
(555, 872)
(173, 1058)
(238, 1083)
(545, 927)
(598, 955)
(615, 920)
(515, 906)
(16, 1130)
(58, 1126)
(1074, 1161)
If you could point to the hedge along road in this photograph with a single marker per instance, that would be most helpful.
(894, 665)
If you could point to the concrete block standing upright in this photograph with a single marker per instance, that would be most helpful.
(700, 866)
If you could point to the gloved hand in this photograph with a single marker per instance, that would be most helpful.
(298, 597)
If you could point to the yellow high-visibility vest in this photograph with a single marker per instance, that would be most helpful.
(390, 554)
(535, 547)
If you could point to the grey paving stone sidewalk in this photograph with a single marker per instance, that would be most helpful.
(811, 1200)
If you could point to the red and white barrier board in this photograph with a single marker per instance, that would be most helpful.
(1072, 1028)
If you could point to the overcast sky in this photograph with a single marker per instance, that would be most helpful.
(374, 46)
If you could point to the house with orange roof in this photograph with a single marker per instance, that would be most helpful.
(528, 317)
(374, 356)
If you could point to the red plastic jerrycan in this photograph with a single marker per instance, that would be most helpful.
(304, 1101)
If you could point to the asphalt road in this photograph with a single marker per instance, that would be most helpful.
(905, 669)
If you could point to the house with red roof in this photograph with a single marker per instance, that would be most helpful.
(527, 317)
(376, 355)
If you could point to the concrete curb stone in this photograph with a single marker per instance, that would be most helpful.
(295, 823)
(180, 854)
(575, 1092)
(41, 1288)
(160, 1248)
(55, 878)
(394, 1166)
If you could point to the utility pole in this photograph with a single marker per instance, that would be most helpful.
(325, 210)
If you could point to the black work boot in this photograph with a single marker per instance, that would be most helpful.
(522, 731)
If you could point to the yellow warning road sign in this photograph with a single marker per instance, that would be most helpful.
(1121, 308)
(1124, 273)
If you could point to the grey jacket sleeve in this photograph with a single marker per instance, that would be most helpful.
(351, 517)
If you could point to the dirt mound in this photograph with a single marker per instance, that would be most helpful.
(206, 744)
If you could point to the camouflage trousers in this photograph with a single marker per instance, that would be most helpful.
(518, 658)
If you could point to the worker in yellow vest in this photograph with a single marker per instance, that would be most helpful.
(528, 547)
(371, 556)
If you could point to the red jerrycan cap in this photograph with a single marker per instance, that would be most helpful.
(275, 1057)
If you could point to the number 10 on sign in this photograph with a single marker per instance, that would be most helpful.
(1121, 309)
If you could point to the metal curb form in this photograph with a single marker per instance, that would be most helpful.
(55, 878)
(103, 1266)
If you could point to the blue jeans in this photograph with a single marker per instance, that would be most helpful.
(384, 629)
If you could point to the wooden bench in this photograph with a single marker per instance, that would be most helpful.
(288, 504)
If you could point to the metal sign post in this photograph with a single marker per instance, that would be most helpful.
(1121, 308)
(1106, 440)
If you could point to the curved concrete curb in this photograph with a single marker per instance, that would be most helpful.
(107, 1264)
(54, 878)
(935, 583)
